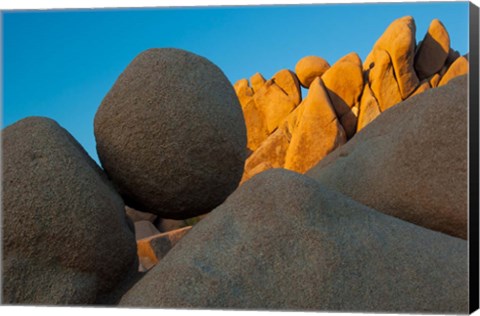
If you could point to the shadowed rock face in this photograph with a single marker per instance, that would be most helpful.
(283, 241)
(171, 134)
(66, 239)
(410, 162)
(433, 51)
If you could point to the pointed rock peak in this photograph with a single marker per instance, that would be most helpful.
(288, 81)
(242, 83)
(433, 51)
(310, 67)
(352, 58)
(399, 42)
(318, 131)
(257, 81)
(244, 91)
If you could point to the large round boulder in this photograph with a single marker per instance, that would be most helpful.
(171, 134)
(66, 238)
(283, 241)
(411, 161)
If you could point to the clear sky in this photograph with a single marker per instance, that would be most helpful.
(60, 64)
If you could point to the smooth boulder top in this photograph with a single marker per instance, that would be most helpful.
(171, 135)
(310, 67)
(283, 241)
(66, 238)
(410, 162)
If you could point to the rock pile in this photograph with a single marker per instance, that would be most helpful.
(66, 238)
(376, 223)
(171, 138)
(395, 70)
(284, 241)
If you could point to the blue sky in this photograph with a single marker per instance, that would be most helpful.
(60, 64)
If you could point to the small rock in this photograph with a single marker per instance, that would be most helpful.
(145, 229)
(369, 109)
(257, 81)
(137, 216)
(457, 68)
(152, 249)
(310, 67)
(243, 91)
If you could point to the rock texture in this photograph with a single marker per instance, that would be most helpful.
(137, 216)
(344, 83)
(369, 108)
(144, 229)
(317, 133)
(395, 70)
(66, 238)
(283, 241)
(288, 82)
(171, 135)
(433, 51)
(398, 41)
(411, 162)
(310, 67)
(154, 248)
(457, 68)
(257, 81)
(381, 78)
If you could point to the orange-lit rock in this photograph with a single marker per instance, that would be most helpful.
(344, 84)
(274, 103)
(434, 80)
(433, 51)
(424, 86)
(381, 76)
(310, 67)
(152, 249)
(256, 125)
(270, 154)
(457, 68)
(369, 108)
(244, 91)
(398, 41)
(257, 81)
(288, 81)
(318, 131)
